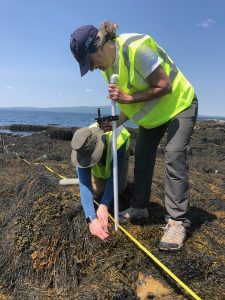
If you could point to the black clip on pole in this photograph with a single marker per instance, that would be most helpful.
(100, 119)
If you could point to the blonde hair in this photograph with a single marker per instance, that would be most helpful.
(106, 32)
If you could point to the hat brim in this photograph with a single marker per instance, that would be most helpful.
(89, 161)
(85, 64)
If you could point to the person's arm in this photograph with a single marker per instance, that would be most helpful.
(122, 119)
(86, 194)
(160, 85)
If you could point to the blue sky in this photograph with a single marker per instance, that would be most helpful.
(37, 68)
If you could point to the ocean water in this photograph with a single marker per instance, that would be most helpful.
(63, 119)
(58, 118)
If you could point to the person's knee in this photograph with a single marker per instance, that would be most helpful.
(176, 160)
(170, 154)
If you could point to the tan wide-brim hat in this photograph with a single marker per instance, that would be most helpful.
(87, 146)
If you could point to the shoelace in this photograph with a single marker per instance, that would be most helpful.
(173, 232)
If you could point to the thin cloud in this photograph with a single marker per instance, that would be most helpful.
(88, 90)
(9, 87)
(207, 23)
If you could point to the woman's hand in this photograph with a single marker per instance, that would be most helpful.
(106, 126)
(116, 94)
(96, 229)
(159, 86)
(102, 215)
(99, 226)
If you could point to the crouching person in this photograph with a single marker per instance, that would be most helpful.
(91, 154)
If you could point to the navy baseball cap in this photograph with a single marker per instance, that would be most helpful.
(81, 44)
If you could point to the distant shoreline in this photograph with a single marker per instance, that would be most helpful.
(86, 109)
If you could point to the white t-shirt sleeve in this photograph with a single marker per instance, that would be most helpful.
(146, 61)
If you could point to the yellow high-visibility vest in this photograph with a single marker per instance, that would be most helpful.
(123, 136)
(153, 113)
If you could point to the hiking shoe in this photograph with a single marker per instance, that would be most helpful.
(134, 213)
(174, 236)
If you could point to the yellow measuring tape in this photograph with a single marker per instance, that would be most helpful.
(143, 248)
(158, 262)
(46, 167)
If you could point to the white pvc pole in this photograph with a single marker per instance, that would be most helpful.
(114, 79)
(68, 181)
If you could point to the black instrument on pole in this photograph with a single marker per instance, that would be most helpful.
(100, 119)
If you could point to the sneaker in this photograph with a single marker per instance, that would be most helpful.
(134, 213)
(174, 236)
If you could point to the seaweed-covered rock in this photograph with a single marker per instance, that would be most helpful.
(46, 251)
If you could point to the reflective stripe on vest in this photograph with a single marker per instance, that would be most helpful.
(126, 55)
(118, 132)
(150, 104)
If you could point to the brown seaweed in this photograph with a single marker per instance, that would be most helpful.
(46, 251)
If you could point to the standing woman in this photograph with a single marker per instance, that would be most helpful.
(153, 93)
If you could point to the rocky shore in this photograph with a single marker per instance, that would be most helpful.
(46, 251)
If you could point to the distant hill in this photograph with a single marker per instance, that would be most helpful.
(205, 117)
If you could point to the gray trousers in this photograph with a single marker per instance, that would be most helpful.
(179, 131)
